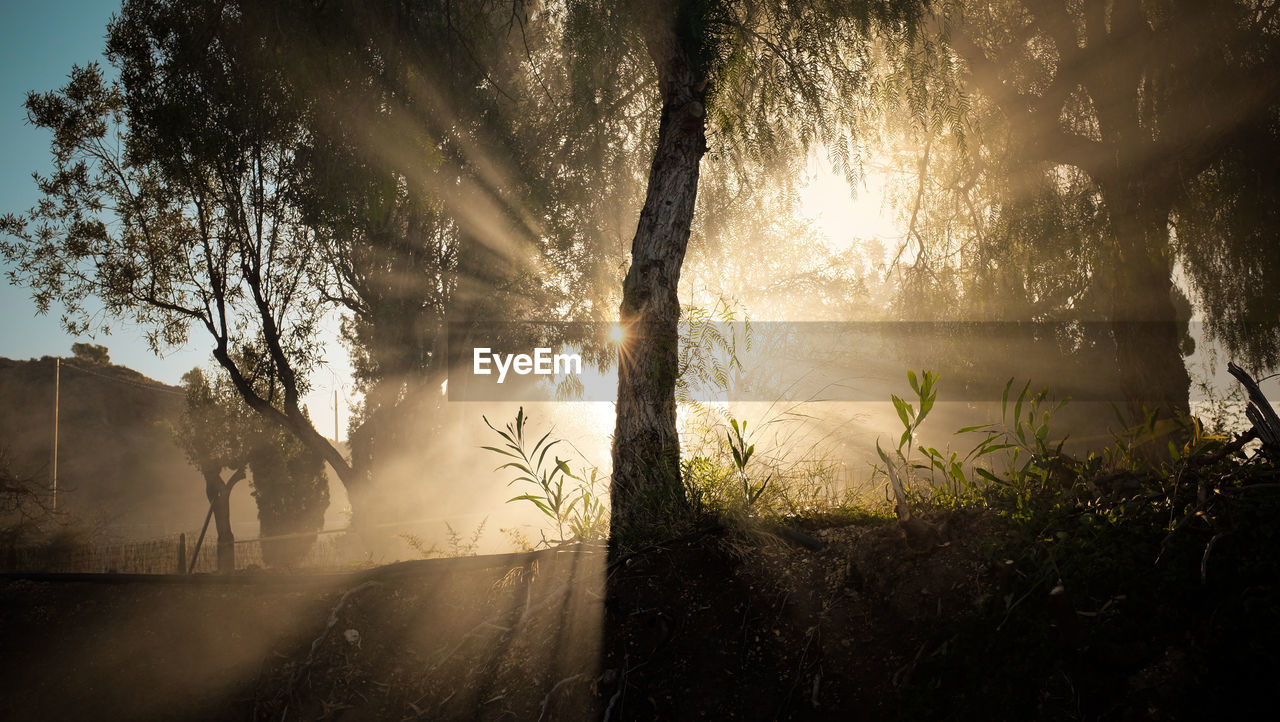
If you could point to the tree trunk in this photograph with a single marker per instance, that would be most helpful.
(647, 492)
(219, 495)
(1144, 319)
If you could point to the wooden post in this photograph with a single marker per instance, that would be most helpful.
(195, 554)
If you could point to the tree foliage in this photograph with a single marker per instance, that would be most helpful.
(221, 434)
(1108, 123)
(92, 353)
(170, 203)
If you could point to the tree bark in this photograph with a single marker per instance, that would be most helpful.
(219, 494)
(647, 492)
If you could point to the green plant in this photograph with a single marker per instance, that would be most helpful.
(912, 416)
(582, 508)
(589, 512)
(1022, 434)
(702, 477)
(419, 546)
(1025, 440)
(926, 393)
(742, 452)
(459, 547)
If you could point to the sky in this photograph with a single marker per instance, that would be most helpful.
(39, 42)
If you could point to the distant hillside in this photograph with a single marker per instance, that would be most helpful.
(117, 462)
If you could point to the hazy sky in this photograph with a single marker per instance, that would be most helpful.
(39, 42)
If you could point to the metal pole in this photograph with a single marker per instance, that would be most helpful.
(335, 416)
(57, 390)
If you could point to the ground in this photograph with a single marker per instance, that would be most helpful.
(723, 624)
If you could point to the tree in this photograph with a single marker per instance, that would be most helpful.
(228, 442)
(1144, 99)
(171, 202)
(91, 353)
(292, 493)
(211, 431)
(763, 75)
(419, 235)
(25, 508)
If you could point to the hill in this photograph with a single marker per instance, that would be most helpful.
(119, 469)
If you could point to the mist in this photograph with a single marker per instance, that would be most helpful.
(914, 338)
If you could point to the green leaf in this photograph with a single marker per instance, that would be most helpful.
(926, 403)
(499, 451)
(992, 449)
(989, 476)
(545, 449)
(904, 410)
(1017, 408)
(563, 466)
(536, 500)
(504, 434)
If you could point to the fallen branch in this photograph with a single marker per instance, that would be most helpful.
(1227, 450)
(1265, 421)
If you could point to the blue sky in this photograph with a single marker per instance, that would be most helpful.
(39, 42)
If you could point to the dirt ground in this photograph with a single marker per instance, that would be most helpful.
(435, 639)
(711, 627)
(719, 625)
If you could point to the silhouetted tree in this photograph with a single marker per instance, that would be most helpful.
(767, 77)
(1155, 103)
(292, 493)
(91, 353)
(211, 431)
(228, 443)
(25, 505)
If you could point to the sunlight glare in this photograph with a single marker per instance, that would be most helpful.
(617, 334)
(825, 199)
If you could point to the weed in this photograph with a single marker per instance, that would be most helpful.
(742, 452)
(1022, 438)
(455, 545)
(581, 509)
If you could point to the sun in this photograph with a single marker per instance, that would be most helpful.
(617, 334)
